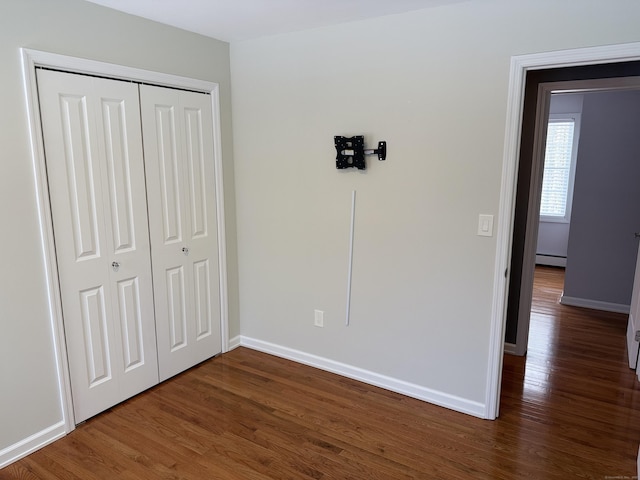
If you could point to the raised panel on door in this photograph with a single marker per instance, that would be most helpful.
(168, 175)
(176, 308)
(119, 175)
(93, 320)
(204, 301)
(178, 145)
(78, 173)
(91, 130)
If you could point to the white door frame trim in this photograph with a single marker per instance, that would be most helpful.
(31, 59)
(520, 65)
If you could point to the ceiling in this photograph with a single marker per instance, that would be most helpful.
(236, 20)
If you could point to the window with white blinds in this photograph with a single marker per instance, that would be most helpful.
(559, 168)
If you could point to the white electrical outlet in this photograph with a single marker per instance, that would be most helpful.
(318, 318)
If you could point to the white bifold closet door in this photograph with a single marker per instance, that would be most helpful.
(182, 220)
(135, 232)
(93, 148)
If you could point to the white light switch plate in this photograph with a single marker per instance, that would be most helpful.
(485, 225)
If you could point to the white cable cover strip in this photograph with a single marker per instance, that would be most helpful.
(350, 272)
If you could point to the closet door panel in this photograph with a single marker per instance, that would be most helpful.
(203, 241)
(177, 132)
(124, 195)
(96, 182)
(75, 185)
(163, 143)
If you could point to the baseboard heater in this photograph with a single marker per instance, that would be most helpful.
(551, 260)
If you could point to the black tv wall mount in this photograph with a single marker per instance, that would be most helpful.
(350, 152)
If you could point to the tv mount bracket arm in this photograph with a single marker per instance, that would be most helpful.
(350, 152)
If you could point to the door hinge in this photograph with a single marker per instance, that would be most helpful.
(637, 335)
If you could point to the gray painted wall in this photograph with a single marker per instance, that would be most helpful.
(606, 212)
(29, 393)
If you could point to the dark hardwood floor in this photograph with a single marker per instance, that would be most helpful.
(571, 409)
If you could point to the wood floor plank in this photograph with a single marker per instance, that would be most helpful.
(569, 409)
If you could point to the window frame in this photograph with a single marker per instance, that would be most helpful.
(559, 117)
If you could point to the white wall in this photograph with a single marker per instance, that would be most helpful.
(29, 393)
(433, 84)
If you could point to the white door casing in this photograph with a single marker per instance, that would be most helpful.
(91, 130)
(520, 65)
(182, 222)
(633, 324)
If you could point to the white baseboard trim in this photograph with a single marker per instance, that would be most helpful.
(234, 342)
(510, 348)
(31, 444)
(551, 261)
(442, 399)
(594, 304)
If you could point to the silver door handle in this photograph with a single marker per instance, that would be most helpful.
(115, 266)
(185, 250)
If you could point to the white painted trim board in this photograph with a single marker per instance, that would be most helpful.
(510, 348)
(234, 342)
(594, 304)
(30, 444)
